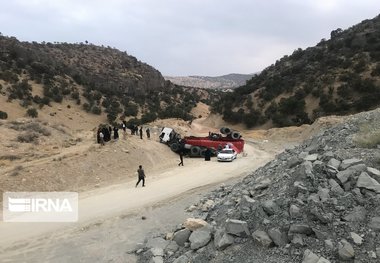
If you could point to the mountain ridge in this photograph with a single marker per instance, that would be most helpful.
(337, 76)
(228, 81)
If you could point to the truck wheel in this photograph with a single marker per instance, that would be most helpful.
(195, 150)
(225, 130)
(235, 135)
(174, 147)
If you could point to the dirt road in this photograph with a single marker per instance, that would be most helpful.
(39, 241)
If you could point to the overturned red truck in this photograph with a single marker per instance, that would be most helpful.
(197, 146)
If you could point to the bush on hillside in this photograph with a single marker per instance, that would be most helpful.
(32, 112)
(3, 115)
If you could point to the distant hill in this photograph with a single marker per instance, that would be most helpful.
(100, 79)
(229, 81)
(337, 76)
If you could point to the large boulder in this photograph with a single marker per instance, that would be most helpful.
(279, 238)
(374, 173)
(309, 257)
(262, 238)
(237, 227)
(345, 250)
(367, 182)
(200, 237)
(181, 236)
(270, 207)
(222, 239)
(349, 162)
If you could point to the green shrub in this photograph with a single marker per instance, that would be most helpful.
(3, 115)
(96, 110)
(32, 112)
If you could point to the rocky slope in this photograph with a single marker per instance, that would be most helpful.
(318, 202)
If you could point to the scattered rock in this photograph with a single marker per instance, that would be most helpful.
(367, 182)
(200, 237)
(222, 240)
(237, 227)
(181, 237)
(262, 238)
(345, 250)
(356, 238)
(194, 223)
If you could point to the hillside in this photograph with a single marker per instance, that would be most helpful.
(337, 76)
(102, 80)
(221, 82)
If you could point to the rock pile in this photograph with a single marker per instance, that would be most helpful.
(319, 202)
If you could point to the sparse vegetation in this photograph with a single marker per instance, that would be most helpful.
(30, 126)
(10, 157)
(28, 137)
(368, 137)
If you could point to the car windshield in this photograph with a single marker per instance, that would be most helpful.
(227, 151)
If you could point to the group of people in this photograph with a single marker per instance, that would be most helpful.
(104, 132)
(135, 130)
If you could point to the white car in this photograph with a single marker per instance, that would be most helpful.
(226, 155)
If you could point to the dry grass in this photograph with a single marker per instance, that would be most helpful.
(10, 157)
(30, 126)
(28, 137)
(368, 136)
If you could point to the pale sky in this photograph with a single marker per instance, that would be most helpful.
(187, 37)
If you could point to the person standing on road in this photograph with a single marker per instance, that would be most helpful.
(141, 176)
(124, 126)
(101, 138)
(148, 132)
(208, 154)
(115, 133)
(141, 132)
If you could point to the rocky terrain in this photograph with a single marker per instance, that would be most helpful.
(318, 202)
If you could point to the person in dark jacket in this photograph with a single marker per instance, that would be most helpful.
(115, 133)
(141, 132)
(208, 154)
(147, 133)
(180, 157)
(141, 176)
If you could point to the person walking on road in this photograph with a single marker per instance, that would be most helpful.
(180, 158)
(141, 176)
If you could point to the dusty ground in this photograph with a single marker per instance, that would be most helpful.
(66, 158)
